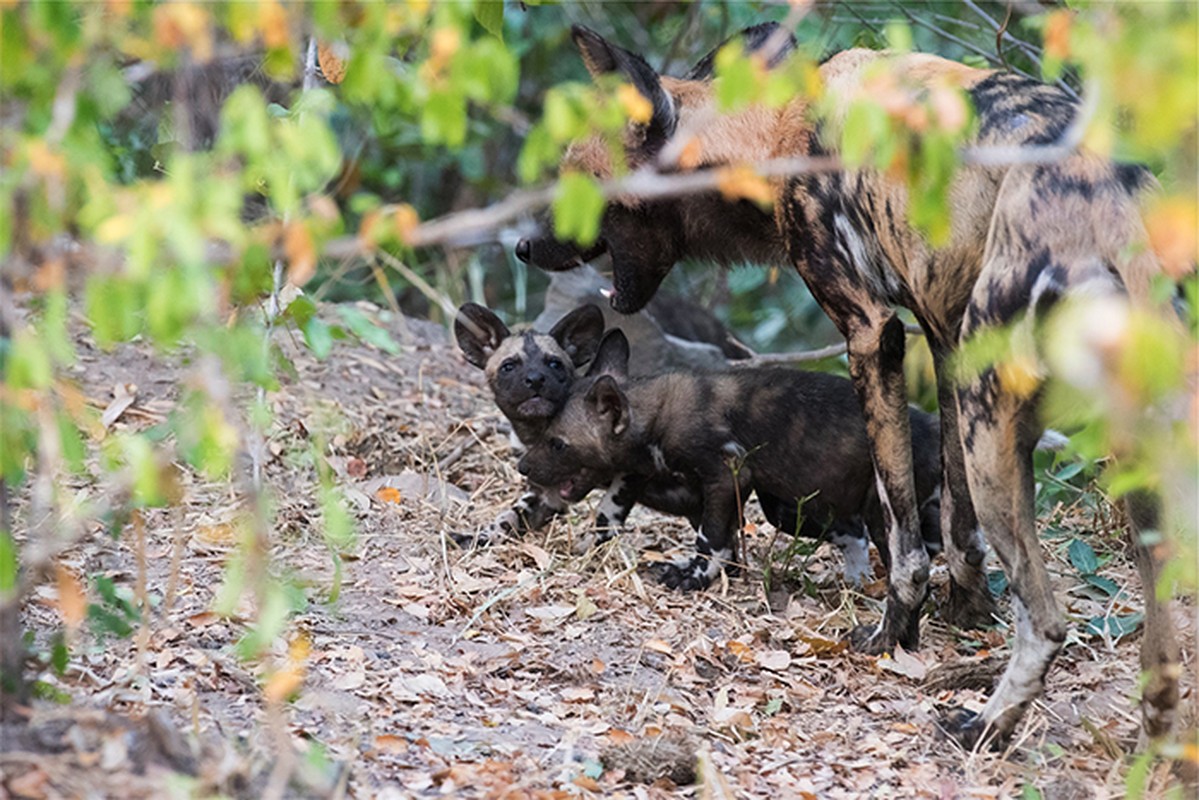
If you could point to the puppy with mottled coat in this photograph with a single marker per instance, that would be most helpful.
(796, 439)
(530, 375)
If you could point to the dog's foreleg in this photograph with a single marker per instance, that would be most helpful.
(535, 508)
(876, 366)
(716, 537)
(614, 508)
(851, 538)
(970, 602)
(1159, 645)
(999, 433)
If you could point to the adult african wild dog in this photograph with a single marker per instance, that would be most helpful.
(530, 375)
(1022, 236)
(796, 439)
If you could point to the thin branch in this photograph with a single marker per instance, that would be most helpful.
(806, 356)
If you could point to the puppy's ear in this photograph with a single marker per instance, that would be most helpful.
(612, 358)
(579, 333)
(601, 57)
(607, 402)
(479, 332)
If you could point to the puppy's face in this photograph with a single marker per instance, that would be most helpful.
(589, 435)
(530, 374)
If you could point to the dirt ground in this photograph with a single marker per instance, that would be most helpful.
(521, 670)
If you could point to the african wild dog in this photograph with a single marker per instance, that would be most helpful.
(1022, 236)
(796, 439)
(530, 376)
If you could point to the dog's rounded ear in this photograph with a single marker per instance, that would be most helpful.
(608, 402)
(579, 333)
(753, 40)
(479, 332)
(601, 57)
(612, 358)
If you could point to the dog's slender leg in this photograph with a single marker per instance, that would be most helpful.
(876, 366)
(615, 506)
(535, 508)
(970, 602)
(1159, 646)
(716, 537)
(999, 434)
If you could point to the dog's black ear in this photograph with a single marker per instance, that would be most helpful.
(479, 332)
(612, 358)
(601, 57)
(752, 40)
(606, 401)
(579, 333)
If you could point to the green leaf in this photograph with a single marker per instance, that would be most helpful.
(1083, 557)
(1117, 626)
(9, 562)
(997, 581)
(366, 330)
(60, 656)
(319, 337)
(578, 206)
(1105, 585)
(490, 14)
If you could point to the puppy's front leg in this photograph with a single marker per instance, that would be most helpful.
(623, 493)
(716, 538)
(535, 508)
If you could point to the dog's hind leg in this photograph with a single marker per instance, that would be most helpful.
(876, 366)
(970, 602)
(999, 433)
(1159, 646)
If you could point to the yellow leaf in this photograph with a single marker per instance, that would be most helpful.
(742, 183)
(72, 599)
(180, 25)
(284, 683)
(301, 254)
(272, 22)
(692, 155)
(1173, 226)
(389, 494)
(743, 652)
(1019, 375)
(333, 67)
(389, 743)
(1057, 34)
(406, 222)
(636, 107)
(445, 42)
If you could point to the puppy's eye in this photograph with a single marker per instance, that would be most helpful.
(557, 445)
(508, 365)
(554, 364)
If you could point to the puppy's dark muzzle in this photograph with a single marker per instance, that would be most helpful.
(522, 467)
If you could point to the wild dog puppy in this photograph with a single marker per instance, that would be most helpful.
(530, 375)
(795, 438)
(1022, 236)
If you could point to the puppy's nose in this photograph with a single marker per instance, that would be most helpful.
(522, 467)
(534, 380)
(523, 249)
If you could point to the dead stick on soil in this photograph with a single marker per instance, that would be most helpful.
(461, 449)
(143, 604)
(176, 559)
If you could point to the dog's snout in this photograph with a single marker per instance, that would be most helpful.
(523, 248)
(534, 380)
(522, 466)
